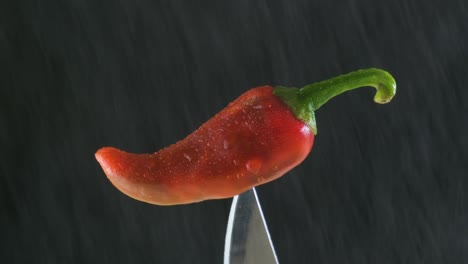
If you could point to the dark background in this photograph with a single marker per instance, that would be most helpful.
(383, 184)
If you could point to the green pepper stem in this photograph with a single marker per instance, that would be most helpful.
(319, 93)
(306, 100)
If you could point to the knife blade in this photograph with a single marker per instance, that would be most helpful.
(247, 237)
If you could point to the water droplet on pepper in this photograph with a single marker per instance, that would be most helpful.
(253, 165)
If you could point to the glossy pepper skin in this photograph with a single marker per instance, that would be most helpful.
(257, 138)
(254, 140)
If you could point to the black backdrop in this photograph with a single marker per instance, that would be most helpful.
(383, 184)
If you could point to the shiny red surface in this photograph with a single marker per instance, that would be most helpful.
(254, 140)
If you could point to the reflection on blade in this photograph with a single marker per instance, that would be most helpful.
(247, 237)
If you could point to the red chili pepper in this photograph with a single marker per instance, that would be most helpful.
(257, 138)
